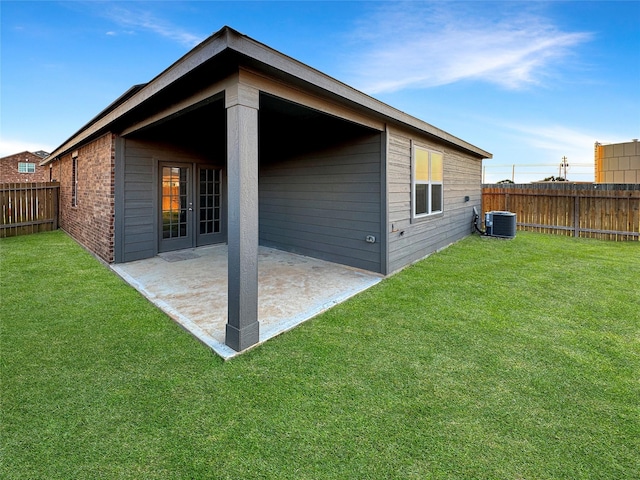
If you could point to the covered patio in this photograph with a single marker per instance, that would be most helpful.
(191, 287)
(237, 144)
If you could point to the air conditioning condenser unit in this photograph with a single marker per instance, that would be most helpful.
(500, 224)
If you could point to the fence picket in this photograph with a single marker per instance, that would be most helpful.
(28, 208)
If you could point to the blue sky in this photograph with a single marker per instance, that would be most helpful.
(530, 82)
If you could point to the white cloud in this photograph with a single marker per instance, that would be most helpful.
(420, 45)
(554, 137)
(560, 138)
(141, 19)
(541, 149)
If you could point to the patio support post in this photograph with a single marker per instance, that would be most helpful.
(242, 329)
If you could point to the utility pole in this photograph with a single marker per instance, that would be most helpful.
(564, 166)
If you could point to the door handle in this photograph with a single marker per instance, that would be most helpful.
(191, 206)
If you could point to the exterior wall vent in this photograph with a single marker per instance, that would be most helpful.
(500, 224)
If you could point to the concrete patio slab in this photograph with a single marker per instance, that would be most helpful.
(191, 287)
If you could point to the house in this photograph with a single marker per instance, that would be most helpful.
(239, 143)
(617, 162)
(24, 167)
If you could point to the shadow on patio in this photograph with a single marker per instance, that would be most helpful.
(191, 287)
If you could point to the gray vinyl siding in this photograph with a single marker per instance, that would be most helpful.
(139, 222)
(323, 204)
(140, 207)
(410, 240)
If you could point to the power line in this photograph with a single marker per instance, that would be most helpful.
(490, 164)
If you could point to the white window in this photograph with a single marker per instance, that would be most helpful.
(24, 167)
(426, 189)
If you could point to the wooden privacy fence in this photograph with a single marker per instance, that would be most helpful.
(604, 211)
(28, 208)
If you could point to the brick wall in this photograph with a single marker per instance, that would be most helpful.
(9, 169)
(91, 221)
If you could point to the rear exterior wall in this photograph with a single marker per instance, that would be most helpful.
(138, 195)
(325, 203)
(412, 239)
(91, 221)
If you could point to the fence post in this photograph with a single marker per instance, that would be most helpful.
(55, 192)
(576, 216)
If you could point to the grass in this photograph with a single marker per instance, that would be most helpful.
(492, 359)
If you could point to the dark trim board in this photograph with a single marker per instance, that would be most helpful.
(384, 202)
(118, 247)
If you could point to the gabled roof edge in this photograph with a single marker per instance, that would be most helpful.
(118, 101)
(22, 153)
(228, 38)
(259, 51)
(168, 75)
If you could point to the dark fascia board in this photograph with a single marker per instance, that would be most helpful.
(228, 38)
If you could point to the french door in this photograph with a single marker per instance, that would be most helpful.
(190, 206)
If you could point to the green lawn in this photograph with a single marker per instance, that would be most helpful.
(493, 359)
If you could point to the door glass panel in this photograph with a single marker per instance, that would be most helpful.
(209, 200)
(174, 202)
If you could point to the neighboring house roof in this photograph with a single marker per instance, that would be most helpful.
(11, 172)
(26, 154)
(225, 48)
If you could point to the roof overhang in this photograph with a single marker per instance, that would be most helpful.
(229, 47)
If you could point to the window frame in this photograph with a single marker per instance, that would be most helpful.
(74, 181)
(430, 183)
(26, 167)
